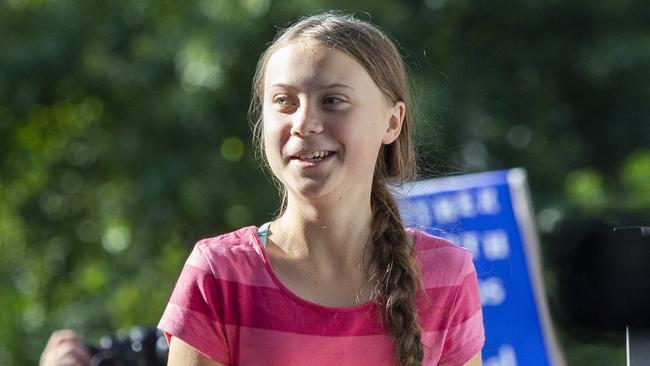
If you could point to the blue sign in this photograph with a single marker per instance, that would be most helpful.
(490, 214)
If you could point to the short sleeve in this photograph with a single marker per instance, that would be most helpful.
(465, 335)
(192, 313)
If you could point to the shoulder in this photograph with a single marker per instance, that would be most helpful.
(237, 242)
(233, 251)
(440, 260)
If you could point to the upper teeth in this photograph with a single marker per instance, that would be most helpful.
(314, 154)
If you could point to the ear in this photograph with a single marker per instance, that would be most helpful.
(395, 121)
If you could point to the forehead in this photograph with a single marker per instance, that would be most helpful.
(306, 66)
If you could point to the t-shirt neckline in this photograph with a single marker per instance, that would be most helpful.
(271, 271)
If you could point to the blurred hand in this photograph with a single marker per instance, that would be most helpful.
(65, 348)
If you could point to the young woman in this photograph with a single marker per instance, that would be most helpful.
(335, 278)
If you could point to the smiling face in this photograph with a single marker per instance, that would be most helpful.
(324, 121)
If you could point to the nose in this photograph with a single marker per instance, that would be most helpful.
(306, 121)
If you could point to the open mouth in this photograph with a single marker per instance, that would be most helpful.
(314, 156)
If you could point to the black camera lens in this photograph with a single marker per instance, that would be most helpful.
(141, 346)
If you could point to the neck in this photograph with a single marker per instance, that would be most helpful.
(325, 234)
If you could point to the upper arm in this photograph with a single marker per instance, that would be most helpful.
(194, 314)
(182, 354)
(475, 361)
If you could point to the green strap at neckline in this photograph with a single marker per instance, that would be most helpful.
(263, 232)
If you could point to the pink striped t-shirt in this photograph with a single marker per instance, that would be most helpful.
(230, 305)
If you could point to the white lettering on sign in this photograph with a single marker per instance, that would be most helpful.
(488, 201)
(448, 208)
(492, 291)
(495, 245)
(420, 210)
(416, 212)
(465, 203)
(469, 240)
(506, 357)
(444, 210)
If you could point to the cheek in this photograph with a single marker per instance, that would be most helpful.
(274, 139)
(361, 154)
(365, 138)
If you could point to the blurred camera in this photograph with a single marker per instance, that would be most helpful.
(139, 346)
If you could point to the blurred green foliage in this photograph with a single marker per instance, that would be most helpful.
(124, 135)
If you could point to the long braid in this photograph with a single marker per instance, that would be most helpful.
(398, 283)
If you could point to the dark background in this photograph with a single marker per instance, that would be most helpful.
(124, 138)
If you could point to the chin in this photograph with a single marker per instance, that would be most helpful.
(309, 190)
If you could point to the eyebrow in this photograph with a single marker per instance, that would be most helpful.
(328, 86)
(337, 85)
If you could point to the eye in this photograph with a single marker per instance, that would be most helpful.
(282, 101)
(333, 100)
